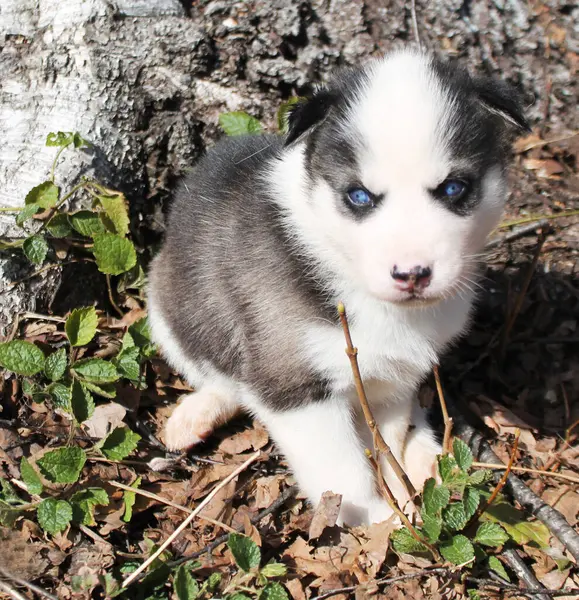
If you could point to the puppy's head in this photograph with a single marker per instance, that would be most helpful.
(401, 174)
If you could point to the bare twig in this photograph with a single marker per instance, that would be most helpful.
(445, 415)
(415, 25)
(162, 500)
(190, 518)
(499, 486)
(518, 233)
(26, 584)
(7, 589)
(500, 467)
(531, 218)
(522, 571)
(551, 517)
(380, 445)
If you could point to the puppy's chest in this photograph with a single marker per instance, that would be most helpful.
(389, 350)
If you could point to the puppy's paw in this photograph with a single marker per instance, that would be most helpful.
(188, 425)
(421, 463)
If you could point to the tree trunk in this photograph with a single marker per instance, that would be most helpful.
(145, 81)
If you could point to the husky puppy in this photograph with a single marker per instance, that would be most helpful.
(380, 196)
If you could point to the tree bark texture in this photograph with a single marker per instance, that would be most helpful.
(145, 82)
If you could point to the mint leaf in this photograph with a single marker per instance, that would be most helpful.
(184, 585)
(470, 500)
(273, 591)
(61, 395)
(30, 477)
(55, 364)
(245, 551)
(458, 551)
(87, 223)
(54, 515)
(141, 333)
(81, 402)
(107, 390)
(84, 503)
(274, 569)
(435, 497)
(454, 516)
(404, 542)
(480, 477)
(129, 500)
(491, 534)
(431, 526)
(22, 358)
(120, 443)
(44, 195)
(462, 454)
(517, 525)
(63, 465)
(127, 366)
(35, 248)
(114, 254)
(26, 213)
(497, 566)
(446, 466)
(239, 123)
(115, 217)
(59, 226)
(95, 370)
(81, 326)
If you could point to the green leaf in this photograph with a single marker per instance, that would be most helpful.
(238, 596)
(473, 595)
(432, 526)
(404, 542)
(517, 526)
(95, 370)
(87, 223)
(81, 325)
(282, 113)
(44, 195)
(141, 333)
(35, 248)
(245, 551)
(21, 357)
(127, 366)
(26, 213)
(497, 566)
(120, 443)
(435, 497)
(458, 551)
(446, 466)
(60, 139)
(84, 503)
(273, 591)
(59, 226)
(129, 500)
(30, 477)
(115, 217)
(114, 254)
(55, 365)
(61, 395)
(462, 454)
(8, 494)
(480, 477)
(63, 465)
(491, 534)
(470, 500)
(106, 390)
(274, 569)
(454, 516)
(79, 141)
(239, 123)
(210, 583)
(8, 514)
(82, 402)
(54, 515)
(184, 585)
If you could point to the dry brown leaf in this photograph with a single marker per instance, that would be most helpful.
(545, 167)
(267, 490)
(105, 418)
(326, 514)
(296, 589)
(255, 437)
(565, 500)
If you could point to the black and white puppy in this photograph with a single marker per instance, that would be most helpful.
(381, 196)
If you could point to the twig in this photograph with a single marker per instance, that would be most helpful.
(380, 445)
(518, 233)
(445, 415)
(499, 486)
(531, 218)
(522, 571)
(190, 518)
(521, 297)
(415, 25)
(500, 467)
(11, 591)
(162, 500)
(31, 586)
(288, 493)
(551, 517)
(112, 298)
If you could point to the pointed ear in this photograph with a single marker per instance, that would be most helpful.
(307, 114)
(503, 100)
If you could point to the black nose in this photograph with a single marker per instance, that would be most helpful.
(416, 277)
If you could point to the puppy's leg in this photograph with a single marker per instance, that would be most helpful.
(325, 453)
(198, 414)
(422, 448)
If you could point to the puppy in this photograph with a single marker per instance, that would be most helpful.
(381, 195)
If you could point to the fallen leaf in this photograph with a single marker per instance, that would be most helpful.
(326, 514)
(255, 437)
(105, 418)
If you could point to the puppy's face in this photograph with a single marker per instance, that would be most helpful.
(404, 175)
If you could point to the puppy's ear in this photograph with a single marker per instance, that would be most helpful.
(306, 114)
(501, 99)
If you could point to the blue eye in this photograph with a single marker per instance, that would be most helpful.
(360, 197)
(453, 188)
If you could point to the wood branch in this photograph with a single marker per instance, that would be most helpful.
(551, 517)
(545, 473)
(522, 571)
(447, 419)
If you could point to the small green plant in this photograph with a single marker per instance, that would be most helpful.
(452, 520)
